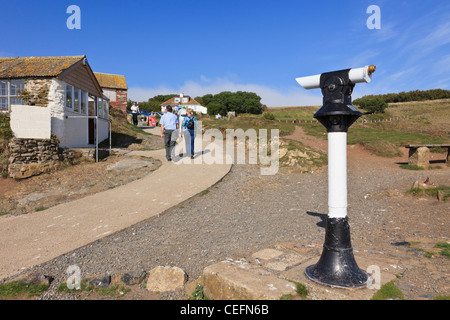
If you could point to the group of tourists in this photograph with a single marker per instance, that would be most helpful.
(175, 123)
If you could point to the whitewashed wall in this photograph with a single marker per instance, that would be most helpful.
(30, 122)
(72, 133)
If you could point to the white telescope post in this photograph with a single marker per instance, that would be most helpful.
(337, 266)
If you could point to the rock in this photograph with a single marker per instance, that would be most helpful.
(440, 195)
(420, 157)
(162, 279)
(101, 282)
(37, 278)
(129, 278)
(267, 254)
(228, 281)
(32, 157)
(427, 184)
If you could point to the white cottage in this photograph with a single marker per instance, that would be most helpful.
(186, 101)
(54, 95)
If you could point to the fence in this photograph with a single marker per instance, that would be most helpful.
(358, 121)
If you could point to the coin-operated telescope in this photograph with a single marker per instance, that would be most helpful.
(337, 266)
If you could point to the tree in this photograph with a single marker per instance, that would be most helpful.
(215, 108)
(374, 105)
(239, 102)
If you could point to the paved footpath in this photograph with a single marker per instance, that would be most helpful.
(38, 237)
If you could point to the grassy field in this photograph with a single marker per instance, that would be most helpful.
(382, 134)
(402, 123)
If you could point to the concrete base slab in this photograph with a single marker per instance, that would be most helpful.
(272, 274)
(228, 281)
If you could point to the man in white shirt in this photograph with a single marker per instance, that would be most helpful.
(135, 111)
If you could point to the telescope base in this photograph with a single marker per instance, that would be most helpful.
(337, 266)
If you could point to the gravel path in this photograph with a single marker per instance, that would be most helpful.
(246, 212)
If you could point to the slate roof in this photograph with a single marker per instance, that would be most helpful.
(111, 81)
(24, 67)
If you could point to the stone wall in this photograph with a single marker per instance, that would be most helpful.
(36, 92)
(31, 157)
(121, 100)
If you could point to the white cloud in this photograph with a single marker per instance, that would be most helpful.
(272, 97)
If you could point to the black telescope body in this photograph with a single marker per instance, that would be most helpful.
(337, 113)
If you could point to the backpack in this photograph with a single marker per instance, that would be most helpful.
(191, 124)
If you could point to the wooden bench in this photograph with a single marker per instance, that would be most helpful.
(419, 154)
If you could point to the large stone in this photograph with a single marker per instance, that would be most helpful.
(419, 157)
(229, 281)
(162, 279)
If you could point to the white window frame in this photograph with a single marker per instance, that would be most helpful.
(8, 95)
(100, 110)
(86, 102)
(81, 93)
(65, 97)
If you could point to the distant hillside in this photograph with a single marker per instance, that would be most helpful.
(416, 95)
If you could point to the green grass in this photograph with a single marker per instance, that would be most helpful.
(113, 291)
(301, 290)
(18, 288)
(5, 130)
(198, 293)
(388, 291)
(381, 141)
(442, 297)
(442, 190)
(247, 121)
(445, 249)
(427, 122)
(411, 167)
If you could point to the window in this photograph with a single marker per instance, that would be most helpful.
(177, 100)
(9, 91)
(3, 103)
(106, 110)
(69, 95)
(16, 87)
(185, 100)
(76, 100)
(3, 95)
(100, 107)
(84, 97)
(3, 88)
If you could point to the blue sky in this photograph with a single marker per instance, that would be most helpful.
(208, 46)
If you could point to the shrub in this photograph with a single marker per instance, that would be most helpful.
(269, 116)
(374, 105)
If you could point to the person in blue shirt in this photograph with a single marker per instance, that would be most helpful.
(169, 131)
(190, 126)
